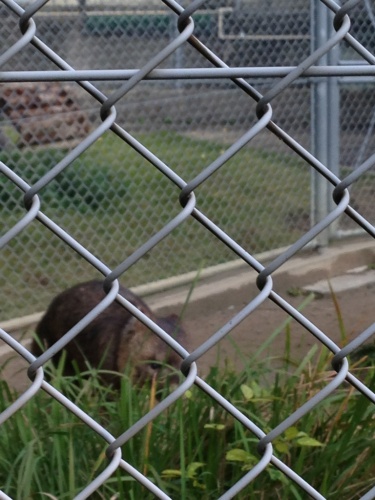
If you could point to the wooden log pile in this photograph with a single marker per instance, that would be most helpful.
(44, 113)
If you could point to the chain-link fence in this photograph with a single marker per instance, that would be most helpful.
(178, 162)
(41, 123)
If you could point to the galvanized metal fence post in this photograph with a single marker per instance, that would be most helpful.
(325, 120)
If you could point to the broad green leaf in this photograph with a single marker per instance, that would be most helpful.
(291, 433)
(193, 467)
(201, 486)
(281, 447)
(308, 441)
(238, 455)
(247, 392)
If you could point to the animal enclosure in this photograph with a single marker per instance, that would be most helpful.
(215, 141)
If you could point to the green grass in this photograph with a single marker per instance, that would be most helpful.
(194, 449)
(112, 200)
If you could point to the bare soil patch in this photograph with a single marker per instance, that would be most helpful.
(204, 318)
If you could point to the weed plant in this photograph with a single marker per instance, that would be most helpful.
(194, 449)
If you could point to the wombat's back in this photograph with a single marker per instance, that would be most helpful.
(113, 339)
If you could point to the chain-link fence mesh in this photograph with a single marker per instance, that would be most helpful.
(181, 113)
(200, 117)
(105, 164)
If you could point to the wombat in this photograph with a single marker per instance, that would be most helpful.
(115, 340)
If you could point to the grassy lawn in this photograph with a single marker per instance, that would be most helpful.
(112, 200)
(195, 449)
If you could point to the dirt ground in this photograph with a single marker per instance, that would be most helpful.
(205, 317)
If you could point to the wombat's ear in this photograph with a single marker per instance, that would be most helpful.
(171, 324)
(173, 319)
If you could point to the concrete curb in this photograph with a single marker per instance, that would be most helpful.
(155, 288)
(298, 272)
(172, 292)
(352, 279)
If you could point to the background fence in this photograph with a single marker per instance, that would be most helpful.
(109, 161)
(198, 117)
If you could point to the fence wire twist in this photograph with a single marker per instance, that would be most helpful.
(33, 212)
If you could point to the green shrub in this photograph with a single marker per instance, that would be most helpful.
(80, 187)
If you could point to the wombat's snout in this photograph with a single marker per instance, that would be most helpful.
(115, 340)
(148, 355)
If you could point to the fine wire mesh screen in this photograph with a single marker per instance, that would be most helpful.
(186, 122)
(180, 121)
(129, 149)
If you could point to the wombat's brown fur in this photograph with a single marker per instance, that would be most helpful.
(114, 341)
